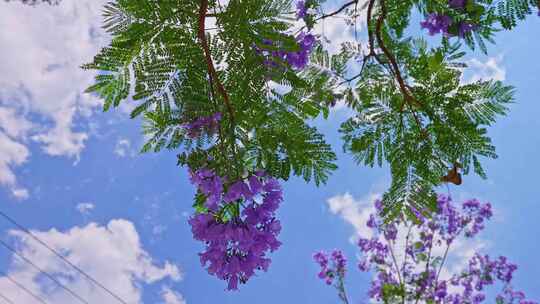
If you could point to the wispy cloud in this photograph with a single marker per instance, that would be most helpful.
(490, 69)
(123, 148)
(85, 208)
(171, 297)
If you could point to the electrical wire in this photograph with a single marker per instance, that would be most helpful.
(22, 287)
(3, 297)
(75, 295)
(86, 275)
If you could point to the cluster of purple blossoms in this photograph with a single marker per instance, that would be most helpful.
(297, 60)
(413, 275)
(457, 4)
(301, 10)
(482, 271)
(332, 266)
(437, 23)
(208, 123)
(238, 245)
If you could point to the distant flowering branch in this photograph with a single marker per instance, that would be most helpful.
(333, 268)
(407, 270)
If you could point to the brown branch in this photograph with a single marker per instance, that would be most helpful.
(342, 8)
(408, 97)
(370, 32)
(208, 57)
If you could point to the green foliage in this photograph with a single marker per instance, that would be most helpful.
(154, 42)
(412, 112)
(511, 11)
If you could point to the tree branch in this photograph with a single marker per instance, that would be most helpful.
(342, 8)
(407, 95)
(208, 57)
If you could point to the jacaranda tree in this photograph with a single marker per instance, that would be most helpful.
(233, 86)
(409, 266)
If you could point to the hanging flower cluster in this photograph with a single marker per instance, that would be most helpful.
(237, 244)
(414, 275)
(437, 23)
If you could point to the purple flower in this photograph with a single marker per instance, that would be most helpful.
(237, 191)
(465, 28)
(210, 123)
(237, 247)
(332, 266)
(457, 4)
(371, 223)
(297, 60)
(437, 23)
(209, 184)
(301, 10)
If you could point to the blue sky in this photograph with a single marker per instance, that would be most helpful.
(72, 174)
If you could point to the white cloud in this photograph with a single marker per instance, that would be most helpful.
(111, 254)
(123, 148)
(171, 297)
(41, 82)
(337, 31)
(354, 212)
(85, 208)
(20, 193)
(491, 69)
(159, 229)
(12, 153)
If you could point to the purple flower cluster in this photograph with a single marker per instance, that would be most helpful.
(413, 275)
(208, 123)
(238, 245)
(297, 60)
(301, 10)
(483, 271)
(510, 296)
(332, 266)
(437, 23)
(210, 184)
(450, 222)
(457, 4)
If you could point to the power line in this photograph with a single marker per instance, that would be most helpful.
(21, 286)
(44, 272)
(86, 275)
(6, 299)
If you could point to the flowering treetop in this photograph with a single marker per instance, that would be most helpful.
(233, 87)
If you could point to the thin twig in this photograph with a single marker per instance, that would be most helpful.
(342, 8)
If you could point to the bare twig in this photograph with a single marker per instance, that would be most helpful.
(339, 10)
